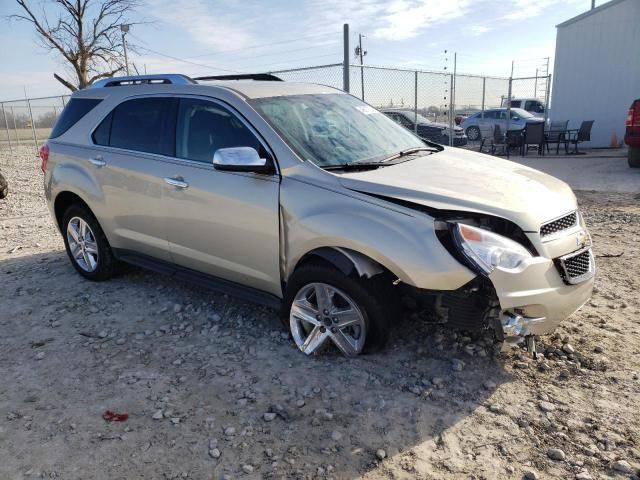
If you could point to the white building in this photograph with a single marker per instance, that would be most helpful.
(597, 69)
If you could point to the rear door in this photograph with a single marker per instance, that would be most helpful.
(222, 223)
(131, 145)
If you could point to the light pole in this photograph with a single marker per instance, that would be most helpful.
(361, 53)
(124, 28)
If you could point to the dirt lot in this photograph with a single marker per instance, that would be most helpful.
(215, 389)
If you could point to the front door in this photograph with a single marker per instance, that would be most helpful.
(222, 223)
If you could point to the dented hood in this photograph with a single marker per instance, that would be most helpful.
(457, 179)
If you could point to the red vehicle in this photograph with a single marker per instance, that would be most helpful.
(632, 134)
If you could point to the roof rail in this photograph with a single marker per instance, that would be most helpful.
(159, 79)
(243, 76)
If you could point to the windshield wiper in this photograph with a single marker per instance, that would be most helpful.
(409, 151)
(350, 166)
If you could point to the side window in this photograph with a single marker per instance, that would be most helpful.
(515, 103)
(72, 113)
(204, 127)
(534, 106)
(491, 114)
(103, 132)
(143, 125)
(404, 121)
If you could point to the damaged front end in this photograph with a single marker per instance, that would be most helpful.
(482, 243)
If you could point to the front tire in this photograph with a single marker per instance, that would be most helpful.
(86, 244)
(473, 133)
(634, 157)
(324, 307)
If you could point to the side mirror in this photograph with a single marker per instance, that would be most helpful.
(240, 159)
(515, 118)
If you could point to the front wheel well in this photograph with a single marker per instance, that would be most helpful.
(347, 261)
(63, 201)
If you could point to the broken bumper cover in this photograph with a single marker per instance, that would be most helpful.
(534, 298)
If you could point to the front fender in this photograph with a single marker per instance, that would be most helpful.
(401, 240)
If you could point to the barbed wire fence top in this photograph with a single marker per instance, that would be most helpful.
(29, 121)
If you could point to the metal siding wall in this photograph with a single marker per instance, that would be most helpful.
(597, 70)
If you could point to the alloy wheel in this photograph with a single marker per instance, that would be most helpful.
(321, 313)
(82, 244)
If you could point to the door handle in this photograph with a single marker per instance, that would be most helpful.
(176, 182)
(98, 162)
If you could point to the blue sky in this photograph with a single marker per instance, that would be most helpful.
(253, 35)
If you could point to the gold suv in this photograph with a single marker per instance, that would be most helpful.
(303, 197)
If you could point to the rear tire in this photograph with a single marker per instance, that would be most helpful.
(4, 187)
(634, 157)
(372, 301)
(86, 244)
(473, 133)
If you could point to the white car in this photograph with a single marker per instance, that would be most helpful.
(485, 120)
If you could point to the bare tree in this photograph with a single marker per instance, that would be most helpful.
(86, 33)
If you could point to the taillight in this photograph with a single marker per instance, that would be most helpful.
(633, 117)
(44, 156)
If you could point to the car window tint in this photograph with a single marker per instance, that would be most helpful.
(103, 132)
(74, 111)
(141, 124)
(204, 127)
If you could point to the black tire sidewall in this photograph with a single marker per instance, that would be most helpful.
(366, 293)
(633, 157)
(4, 187)
(105, 267)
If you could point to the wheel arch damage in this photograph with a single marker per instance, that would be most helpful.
(346, 260)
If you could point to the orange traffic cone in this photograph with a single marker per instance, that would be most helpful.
(614, 141)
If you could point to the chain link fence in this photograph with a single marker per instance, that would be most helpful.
(29, 121)
(439, 96)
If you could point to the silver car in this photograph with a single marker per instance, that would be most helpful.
(484, 121)
(303, 197)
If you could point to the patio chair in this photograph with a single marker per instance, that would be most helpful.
(499, 140)
(533, 135)
(574, 137)
(486, 137)
(556, 133)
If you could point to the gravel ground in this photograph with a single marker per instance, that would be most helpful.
(215, 389)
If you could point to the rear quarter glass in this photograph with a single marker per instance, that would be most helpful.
(72, 113)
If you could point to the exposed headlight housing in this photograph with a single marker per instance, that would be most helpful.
(487, 250)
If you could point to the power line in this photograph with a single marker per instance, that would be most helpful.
(296, 60)
(177, 59)
(261, 45)
(287, 51)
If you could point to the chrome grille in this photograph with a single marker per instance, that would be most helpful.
(559, 224)
(577, 266)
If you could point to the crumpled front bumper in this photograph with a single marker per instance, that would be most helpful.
(534, 298)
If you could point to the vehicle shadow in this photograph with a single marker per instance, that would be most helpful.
(212, 366)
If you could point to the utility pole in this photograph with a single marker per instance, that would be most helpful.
(345, 58)
(124, 28)
(361, 53)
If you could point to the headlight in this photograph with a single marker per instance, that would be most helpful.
(488, 250)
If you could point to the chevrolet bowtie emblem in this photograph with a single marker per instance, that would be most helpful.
(582, 240)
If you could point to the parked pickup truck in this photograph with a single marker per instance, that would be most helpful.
(632, 134)
(531, 105)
